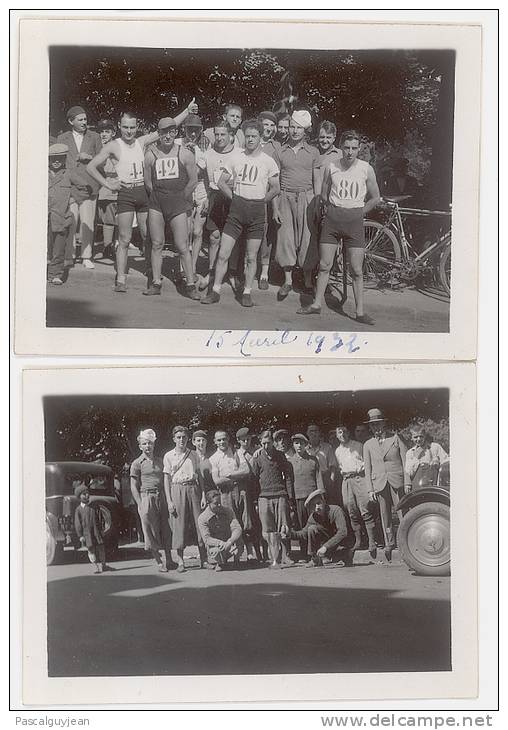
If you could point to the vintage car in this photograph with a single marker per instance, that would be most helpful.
(423, 536)
(62, 477)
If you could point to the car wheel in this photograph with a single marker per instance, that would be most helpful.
(54, 549)
(424, 538)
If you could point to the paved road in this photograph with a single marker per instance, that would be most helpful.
(88, 300)
(373, 617)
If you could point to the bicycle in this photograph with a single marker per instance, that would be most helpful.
(390, 257)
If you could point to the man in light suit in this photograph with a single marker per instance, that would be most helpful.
(83, 145)
(385, 456)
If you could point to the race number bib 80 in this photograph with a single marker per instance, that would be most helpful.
(348, 189)
(166, 168)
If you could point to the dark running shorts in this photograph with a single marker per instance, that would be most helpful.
(218, 209)
(246, 216)
(344, 224)
(169, 205)
(132, 200)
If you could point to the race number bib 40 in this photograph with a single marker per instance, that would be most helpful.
(166, 168)
(248, 174)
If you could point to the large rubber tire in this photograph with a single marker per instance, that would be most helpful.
(54, 549)
(382, 242)
(423, 538)
(445, 268)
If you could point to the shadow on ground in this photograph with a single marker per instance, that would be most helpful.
(127, 625)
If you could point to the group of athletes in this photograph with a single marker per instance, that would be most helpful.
(261, 191)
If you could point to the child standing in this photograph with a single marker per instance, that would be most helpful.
(60, 219)
(88, 529)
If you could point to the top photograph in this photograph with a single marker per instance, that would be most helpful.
(249, 201)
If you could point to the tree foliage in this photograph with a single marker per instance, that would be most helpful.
(105, 427)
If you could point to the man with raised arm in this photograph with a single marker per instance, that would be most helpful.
(127, 153)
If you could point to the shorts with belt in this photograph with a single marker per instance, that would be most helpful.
(132, 200)
(343, 224)
(170, 204)
(246, 216)
(218, 209)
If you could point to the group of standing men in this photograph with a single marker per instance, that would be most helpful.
(259, 498)
(260, 181)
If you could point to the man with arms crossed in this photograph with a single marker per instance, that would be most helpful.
(128, 155)
(347, 184)
(255, 183)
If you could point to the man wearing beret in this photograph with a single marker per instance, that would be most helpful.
(299, 182)
(326, 532)
(384, 456)
(83, 144)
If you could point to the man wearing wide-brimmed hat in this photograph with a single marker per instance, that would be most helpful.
(384, 456)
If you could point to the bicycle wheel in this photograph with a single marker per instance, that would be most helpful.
(382, 250)
(445, 267)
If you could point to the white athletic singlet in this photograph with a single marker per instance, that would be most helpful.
(217, 163)
(251, 174)
(348, 189)
(129, 168)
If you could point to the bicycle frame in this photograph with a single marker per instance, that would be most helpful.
(396, 224)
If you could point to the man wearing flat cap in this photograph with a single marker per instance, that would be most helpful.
(83, 144)
(299, 182)
(326, 532)
(60, 219)
(384, 456)
(306, 479)
(248, 495)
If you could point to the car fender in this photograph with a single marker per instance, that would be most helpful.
(426, 494)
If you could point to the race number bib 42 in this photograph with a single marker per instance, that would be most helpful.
(166, 168)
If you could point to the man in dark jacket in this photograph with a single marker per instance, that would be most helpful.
(326, 532)
(83, 144)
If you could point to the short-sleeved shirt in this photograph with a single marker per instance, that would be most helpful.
(349, 187)
(350, 457)
(251, 174)
(148, 471)
(272, 148)
(179, 469)
(224, 463)
(217, 163)
(296, 167)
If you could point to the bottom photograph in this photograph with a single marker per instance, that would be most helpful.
(248, 533)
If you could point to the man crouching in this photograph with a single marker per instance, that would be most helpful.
(221, 532)
(326, 532)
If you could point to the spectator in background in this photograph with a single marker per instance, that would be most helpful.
(306, 479)
(401, 183)
(282, 128)
(362, 432)
(60, 218)
(424, 459)
(249, 496)
(271, 147)
(328, 152)
(384, 456)
(88, 529)
(200, 442)
(107, 199)
(229, 473)
(299, 183)
(327, 463)
(83, 144)
(233, 117)
(221, 532)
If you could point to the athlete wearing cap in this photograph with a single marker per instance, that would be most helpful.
(127, 154)
(196, 142)
(82, 145)
(271, 147)
(255, 178)
(349, 191)
(170, 178)
(299, 184)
